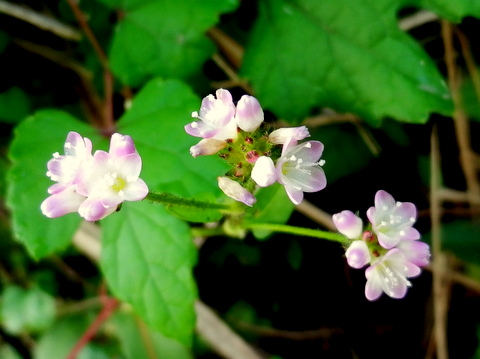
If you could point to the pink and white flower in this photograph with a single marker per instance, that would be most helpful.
(115, 180)
(299, 169)
(217, 118)
(392, 221)
(389, 244)
(389, 274)
(94, 185)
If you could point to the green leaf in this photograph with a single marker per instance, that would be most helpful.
(35, 139)
(147, 259)
(138, 342)
(350, 56)
(272, 206)
(156, 122)
(14, 105)
(163, 38)
(24, 310)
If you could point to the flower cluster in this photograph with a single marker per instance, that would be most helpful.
(258, 157)
(93, 185)
(390, 245)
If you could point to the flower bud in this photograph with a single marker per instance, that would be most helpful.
(357, 254)
(348, 224)
(280, 136)
(235, 190)
(249, 115)
(207, 146)
(263, 172)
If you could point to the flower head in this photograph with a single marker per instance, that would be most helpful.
(298, 169)
(391, 248)
(94, 185)
(392, 221)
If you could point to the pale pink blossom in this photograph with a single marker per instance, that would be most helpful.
(94, 185)
(392, 221)
(299, 169)
(216, 118)
(389, 275)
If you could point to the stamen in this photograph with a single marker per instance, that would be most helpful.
(68, 145)
(308, 145)
(56, 155)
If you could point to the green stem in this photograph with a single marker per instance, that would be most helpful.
(299, 231)
(172, 200)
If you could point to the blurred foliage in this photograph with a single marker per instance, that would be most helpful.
(371, 92)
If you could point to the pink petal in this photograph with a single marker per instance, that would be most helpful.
(121, 145)
(295, 195)
(93, 210)
(136, 191)
(383, 200)
(61, 203)
(249, 114)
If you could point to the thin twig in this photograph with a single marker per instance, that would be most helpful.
(469, 61)
(316, 214)
(419, 18)
(462, 126)
(41, 21)
(107, 124)
(440, 292)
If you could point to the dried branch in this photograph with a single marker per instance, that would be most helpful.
(41, 21)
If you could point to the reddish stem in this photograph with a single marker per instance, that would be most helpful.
(107, 124)
(109, 307)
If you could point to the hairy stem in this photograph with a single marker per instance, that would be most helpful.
(172, 200)
(299, 231)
